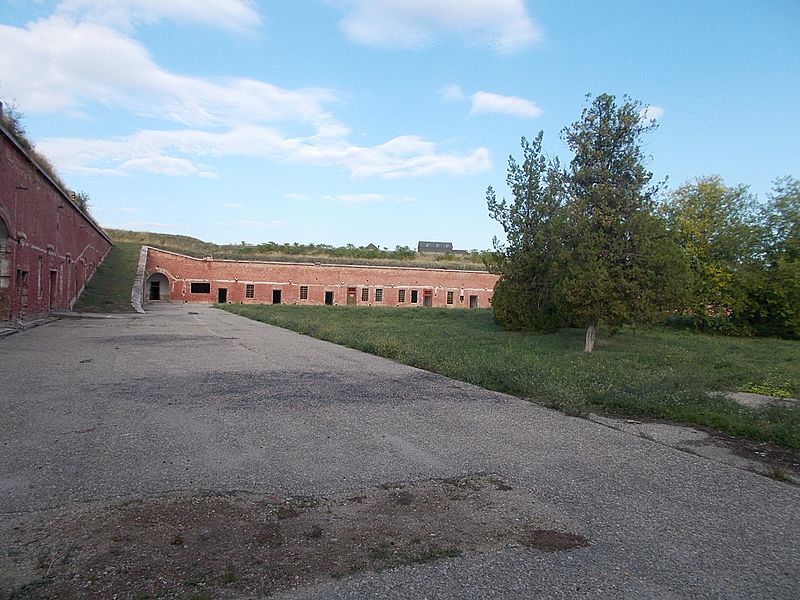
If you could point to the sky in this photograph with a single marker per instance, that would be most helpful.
(381, 121)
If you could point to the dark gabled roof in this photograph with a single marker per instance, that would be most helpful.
(434, 246)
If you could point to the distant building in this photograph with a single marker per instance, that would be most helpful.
(174, 277)
(438, 248)
(435, 247)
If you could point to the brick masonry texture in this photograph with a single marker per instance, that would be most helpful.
(185, 279)
(48, 248)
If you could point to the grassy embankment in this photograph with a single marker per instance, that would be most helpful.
(653, 373)
(271, 251)
(110, 288)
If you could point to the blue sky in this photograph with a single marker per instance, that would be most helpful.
(358, 121)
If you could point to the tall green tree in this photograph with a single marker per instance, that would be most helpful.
(528, 260)
(774, 296)
(718, 228)
(623, 264)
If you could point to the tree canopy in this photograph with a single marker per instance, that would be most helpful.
(586, 245)
(744, 256)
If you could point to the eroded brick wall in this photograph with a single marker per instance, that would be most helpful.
(48, 248)
(197, 280)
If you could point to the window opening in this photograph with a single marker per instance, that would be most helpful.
(401, 295)
(39, 280)
(303, 292)
(329, 298)
(414, 296)
(449, 297)
(53, 287)
(250, 290)
(365, 294)
(378, 294)
(473, 302)
(276, 296)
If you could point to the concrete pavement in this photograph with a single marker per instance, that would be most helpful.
(198, 400)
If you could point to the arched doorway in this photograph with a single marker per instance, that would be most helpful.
(156, 287)
(5, 273)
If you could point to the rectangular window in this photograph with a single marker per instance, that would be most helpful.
(303, 292)
(461, 298)
(401, 295)
(365, 294)
(249, 290)
(378, 294)
(414, 295)
(200, 288)
(449, 297)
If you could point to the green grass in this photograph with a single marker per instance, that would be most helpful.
(110, 288)
(656, 372)
(270, 251)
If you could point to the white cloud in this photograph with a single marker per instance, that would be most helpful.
(152, 226)
(504, 25)
(164, 165)
(58, 64)
(366, 198)
(259, 224)
(652, 113)
(155, 151)
(486, 102)
(63, 65)
(234, 15)
(452, 93)
(295, 197)
(355, 198)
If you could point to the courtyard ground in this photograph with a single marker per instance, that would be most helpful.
(192, 453)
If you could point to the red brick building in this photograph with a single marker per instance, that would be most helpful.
(171, 276)
(48, 248)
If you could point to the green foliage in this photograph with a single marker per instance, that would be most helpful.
(767, 388)
(774, 288)
(586, 246)
(623, 265)
(745, 259)
(652, 372)
(350, 254)
(717, 228)
(530, 259)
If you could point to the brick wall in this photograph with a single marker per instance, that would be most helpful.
(187, 279)
(48, 248)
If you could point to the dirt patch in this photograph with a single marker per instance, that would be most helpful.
(775, 461)
(233, 544)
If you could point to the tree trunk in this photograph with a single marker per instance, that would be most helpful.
(591, 335)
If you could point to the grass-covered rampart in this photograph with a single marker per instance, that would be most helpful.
(109, 290)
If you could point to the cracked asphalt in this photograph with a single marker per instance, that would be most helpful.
(196, 400)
